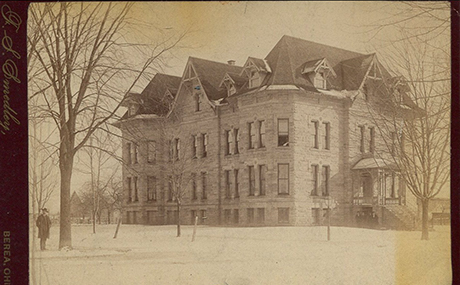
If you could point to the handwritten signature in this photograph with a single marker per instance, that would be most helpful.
(9, 68)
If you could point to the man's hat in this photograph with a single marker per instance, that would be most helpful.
(45, 210)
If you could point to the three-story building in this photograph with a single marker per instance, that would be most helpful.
(277, 141)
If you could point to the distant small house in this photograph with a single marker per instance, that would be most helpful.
(77, 209)
(438, 211)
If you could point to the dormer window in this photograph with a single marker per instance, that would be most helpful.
(133, 109)
(319, 70)
(254, 80)
(320, 80)
(231, 89)
(255, 70)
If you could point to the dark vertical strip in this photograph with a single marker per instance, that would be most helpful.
(219, 166)
(455, 142)
(13, 144)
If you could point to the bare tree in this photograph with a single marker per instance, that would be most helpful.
(415, 122)
(429, 22)
(178, 150)
(82, 59)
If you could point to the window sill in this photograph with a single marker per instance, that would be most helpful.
(283, 194)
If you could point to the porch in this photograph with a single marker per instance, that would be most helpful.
(376, 183)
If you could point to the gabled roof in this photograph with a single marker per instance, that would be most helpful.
(235, 78)
(290, 54)
(153, 99)
(259, 63)
(352, 71)
(211, 74)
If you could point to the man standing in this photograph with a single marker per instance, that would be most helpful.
(43, 224)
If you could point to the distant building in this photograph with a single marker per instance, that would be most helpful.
(276, 141)
(78, 212)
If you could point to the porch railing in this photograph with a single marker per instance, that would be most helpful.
(364, 200)
(393, 201)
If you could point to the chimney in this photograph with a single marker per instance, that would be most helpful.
(231, 62)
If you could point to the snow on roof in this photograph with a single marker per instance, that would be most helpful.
(338, 94)
(282, 87)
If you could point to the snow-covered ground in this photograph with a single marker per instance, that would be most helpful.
(243, 256)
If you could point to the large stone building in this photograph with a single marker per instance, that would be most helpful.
(277, 141)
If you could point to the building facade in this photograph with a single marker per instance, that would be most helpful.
(283, 140)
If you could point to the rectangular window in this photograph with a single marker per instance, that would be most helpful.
(316, 215)
(194, 188)
(194, 146)
(197, 103)
(228, 184)
(283, 178)
(371, 139)
(236, 216)
(283, 132)
(136, 196)
(262, 174)
(170, 189)
(361, 140)
(393, 143)
(325, 180)
(134, 213)
(237, 140)
(204, 140)
(260, 215)
(203, 216)
(151, 151)
(177, 148)
(250, 215)
(320, 80)
(171, 150)
(237, 183)
(315, 134)
(193, 215)
(252, 180)
(314, 179)
(252, 135)
(227, 216)
(130, 189)
(261, 134)
(135, 153)
(204, 194)
(128, 156)
(283, 215)
(151, 188)
(228, 140)
(327, 139)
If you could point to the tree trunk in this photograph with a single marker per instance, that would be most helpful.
(178, 219)
(65, 233)
(94, 221)
(425, 203)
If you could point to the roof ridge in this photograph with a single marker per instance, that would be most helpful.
(213, 61)
(290, 62)
(317, 43)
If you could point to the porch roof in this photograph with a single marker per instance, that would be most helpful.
(369, 163)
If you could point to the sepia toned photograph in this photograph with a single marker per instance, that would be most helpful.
(239, 143)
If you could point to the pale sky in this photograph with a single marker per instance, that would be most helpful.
(221, 31)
